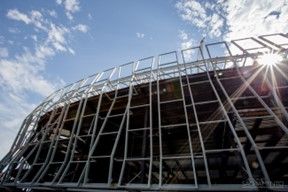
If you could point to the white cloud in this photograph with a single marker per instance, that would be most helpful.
(43, 51)
(206, 17)
(1, 39)
(140, 35)
(10, 42)
(52, 13)
(16, 15)
(185, 43)
(216, 25)
(13, 110)
(80, 27)
(23, 76)
(71, 6)
(35, 18)
(56, 33)
(4, 52)
(20, 78)
(56, 36)
(235, 19)
(69, 15)
(34, 37)
(250, 18)
(193, 12)
(90, 16)
(13, 30)
(71, 51)
(183, 35)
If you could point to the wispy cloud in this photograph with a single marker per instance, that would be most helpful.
(186, 42)
(206, 17)
(20, 79)
(52, 13)
(13, 30)
(245, 18)
(16, 15)
(56, 36)
(35, 18)
(22, 74)
(235, 19)
(1, 39)
(193, 12)
(81, 27)
(71, 6)
(34, 37)
(90, 16)
(18, 76)
(13, 109)
(140, 35)
(4, 52)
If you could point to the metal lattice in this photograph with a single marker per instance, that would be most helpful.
(216, 119)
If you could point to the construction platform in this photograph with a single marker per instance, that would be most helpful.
(214, 120)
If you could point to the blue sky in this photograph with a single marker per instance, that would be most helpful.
(47, 44)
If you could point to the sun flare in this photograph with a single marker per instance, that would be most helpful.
(269, 59)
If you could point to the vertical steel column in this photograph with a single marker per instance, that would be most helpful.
(228, 120)
(127, 113)
(85, 95)
(55, 139)
(266, 177)
(159, 125)
(131, 86)
(80, 107)
(279, 122)
(151, 122)
(187, 123)
(50, 155)
(42, 141)
(197, 122)
(86, 168)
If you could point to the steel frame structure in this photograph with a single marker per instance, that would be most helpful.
(203, 122)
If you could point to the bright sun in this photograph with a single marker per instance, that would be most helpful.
(269, 59)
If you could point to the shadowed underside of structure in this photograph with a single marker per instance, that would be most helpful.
(207, 122)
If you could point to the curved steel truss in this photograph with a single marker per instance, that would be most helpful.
(215, 119)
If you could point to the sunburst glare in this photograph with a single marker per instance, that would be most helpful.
(269, 59)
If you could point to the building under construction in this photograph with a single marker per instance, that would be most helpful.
(212, 117)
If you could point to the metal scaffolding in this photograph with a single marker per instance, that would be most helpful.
(215, 119)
